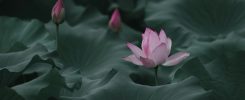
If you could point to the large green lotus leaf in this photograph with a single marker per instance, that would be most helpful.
(47, 86)
(23, 45)
(220, 66)
(9, 94)
(81, 86)
(17, 61)
(20, 41)
(89, 49)
(188, 20)
(17, 35)
(27, 9)
(118, 86)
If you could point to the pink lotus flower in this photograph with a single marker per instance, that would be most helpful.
(115, 21)
(58, 12)
(155, 51)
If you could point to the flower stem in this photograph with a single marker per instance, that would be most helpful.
(156, 76)
(57, 36)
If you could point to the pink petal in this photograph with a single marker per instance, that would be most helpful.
(133, 59)
(160, 54)
(137, 51)
(176, 59)
(162, 36)
(57, 7)
(154, 40)
(145, 41)
(148, 63)
(165, 39)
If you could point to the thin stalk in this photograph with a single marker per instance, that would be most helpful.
(156, 76)
(57, 36)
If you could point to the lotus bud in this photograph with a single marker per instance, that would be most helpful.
(115, 21)
(58, 12)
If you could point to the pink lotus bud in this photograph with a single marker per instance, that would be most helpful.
(155, 51)
(115, 21)
(58, 12)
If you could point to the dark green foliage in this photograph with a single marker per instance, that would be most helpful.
(88, 63)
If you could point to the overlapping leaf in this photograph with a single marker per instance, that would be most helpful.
(121, 87)
(220, 68)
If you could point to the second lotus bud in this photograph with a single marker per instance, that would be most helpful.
(115, 21)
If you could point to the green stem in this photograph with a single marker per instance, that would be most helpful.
(57, 36)
(156, 76)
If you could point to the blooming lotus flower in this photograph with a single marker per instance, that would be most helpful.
(155, 51)
(58, 12)
(115, 21)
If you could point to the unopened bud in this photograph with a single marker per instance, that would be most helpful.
(115, 21)
(58, 12)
